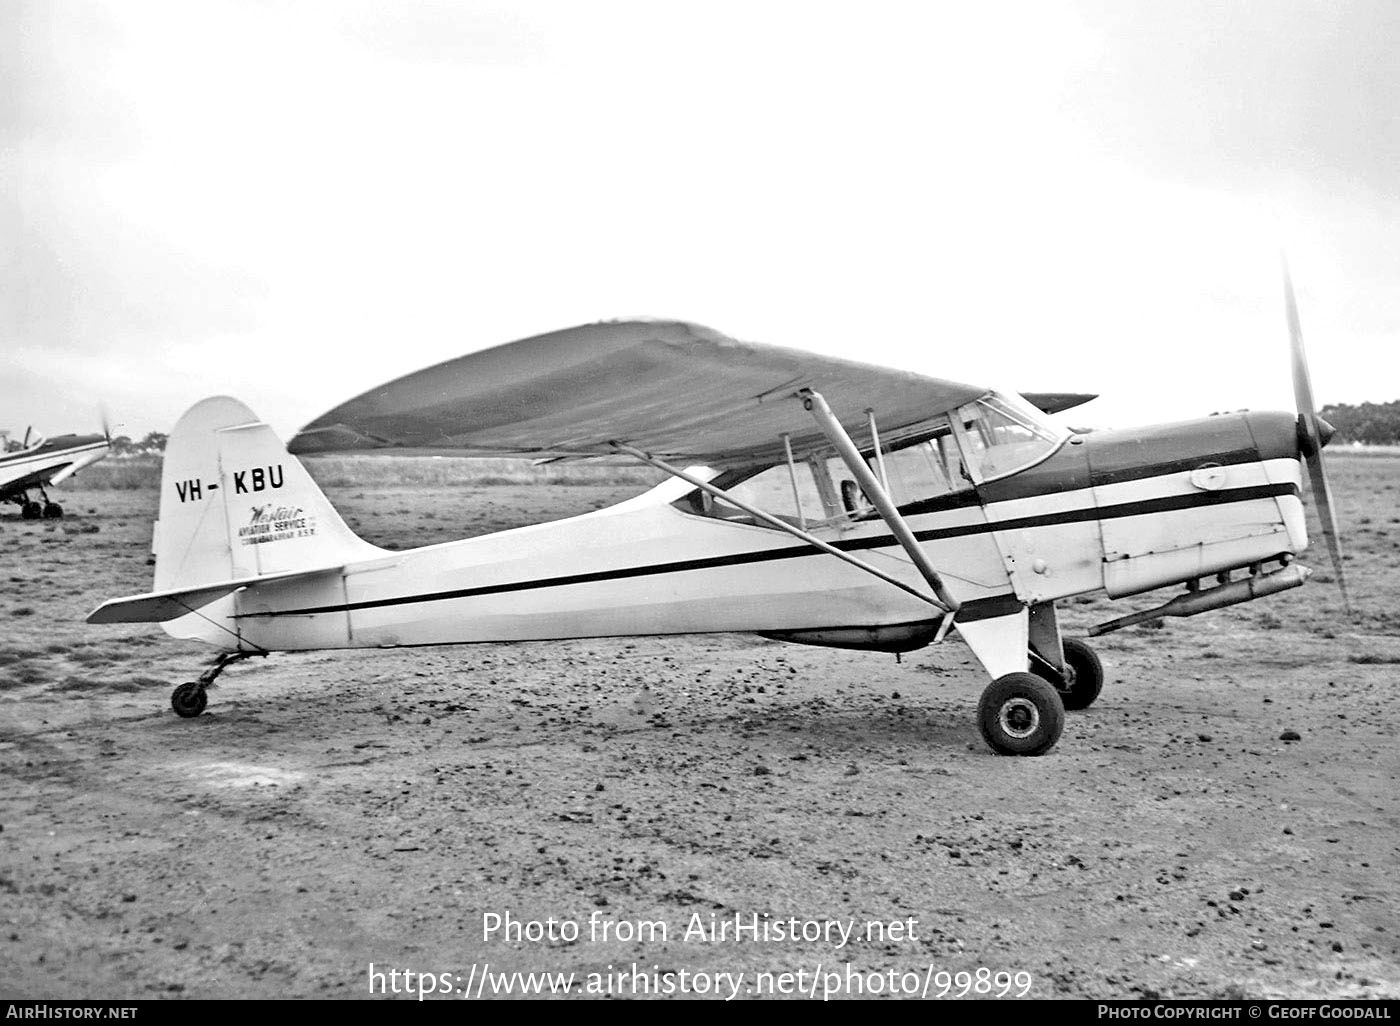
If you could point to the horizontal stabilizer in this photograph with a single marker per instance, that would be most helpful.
(160, 606)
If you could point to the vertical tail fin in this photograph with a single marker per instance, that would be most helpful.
(235, 504)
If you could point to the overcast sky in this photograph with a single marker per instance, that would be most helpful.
(291, 202)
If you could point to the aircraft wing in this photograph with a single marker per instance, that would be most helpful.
(49, 462)
(1057, 402)
(676, 390)
(33, 479)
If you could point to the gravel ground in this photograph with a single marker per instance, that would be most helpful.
(332, 811)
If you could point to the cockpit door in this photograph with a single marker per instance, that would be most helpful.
(1034, 485)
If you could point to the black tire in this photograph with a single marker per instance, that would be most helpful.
(1020, 714)
(1084, 682)
(1085, 675)
(189, 700)
(31, 511)
(52, 511)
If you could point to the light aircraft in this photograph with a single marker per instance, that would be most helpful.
(809, 499)
(41, 462)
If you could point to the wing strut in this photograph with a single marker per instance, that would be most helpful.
(777, 522)
(792, 476)
(879, 453)
(816, 405)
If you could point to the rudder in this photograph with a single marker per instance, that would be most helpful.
(235, 504)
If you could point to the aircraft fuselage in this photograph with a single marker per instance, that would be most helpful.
(1122, 512)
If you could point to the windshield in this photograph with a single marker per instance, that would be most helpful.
(1004, 433)
(997, 435)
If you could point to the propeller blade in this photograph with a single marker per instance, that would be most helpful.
(1322, 497)
(1312, 437)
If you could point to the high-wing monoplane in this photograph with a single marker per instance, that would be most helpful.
(41, 462)
(808, 499)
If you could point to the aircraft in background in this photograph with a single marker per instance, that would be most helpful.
(810, 499)
(42, 462)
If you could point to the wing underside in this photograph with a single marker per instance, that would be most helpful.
(677, 390)
(34, 479)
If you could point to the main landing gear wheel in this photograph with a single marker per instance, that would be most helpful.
(52, 511)
(1083, 678)
(1020, 714)
(189, 700)
(31, 511)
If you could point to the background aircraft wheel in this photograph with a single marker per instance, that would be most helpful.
(52, 511)
(31, 511)
(1084, 680)
(189, 700)
(1020, 714)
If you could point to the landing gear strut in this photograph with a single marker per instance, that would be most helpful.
(30, 510)
(189, 699)
(1067, 663)
(1082, 680)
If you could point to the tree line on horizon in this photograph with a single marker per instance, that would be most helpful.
(1367, 423)
(122, 445)
(152, 445)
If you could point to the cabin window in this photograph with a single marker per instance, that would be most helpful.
(770, 490)
(923, 471)
(1002, 435)
(919, 467)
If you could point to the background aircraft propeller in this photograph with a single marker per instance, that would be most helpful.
(1313, 433)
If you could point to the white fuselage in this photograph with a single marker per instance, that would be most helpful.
(50, 463)
(648, 567)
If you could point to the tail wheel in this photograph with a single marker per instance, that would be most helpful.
(1020, 714)
(189, 700)
(1083, 679)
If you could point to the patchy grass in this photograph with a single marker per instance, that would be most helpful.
(449, 472)
(22, 674)
(73, 682)
(137, 473)
(399, 472)
(17, 653)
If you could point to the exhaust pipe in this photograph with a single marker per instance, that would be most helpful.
(1231, 594)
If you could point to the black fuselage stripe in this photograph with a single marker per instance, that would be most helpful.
(1126, 509)
(1166, 504)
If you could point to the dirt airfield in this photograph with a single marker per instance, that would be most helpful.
(333, 810)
